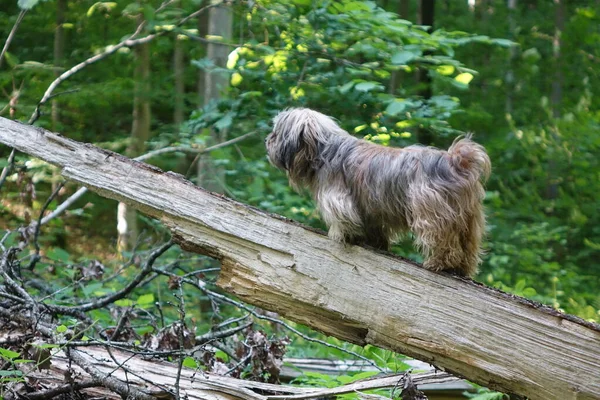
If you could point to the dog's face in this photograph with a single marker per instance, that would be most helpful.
(299, 132)
(284, 142)
(292, 145)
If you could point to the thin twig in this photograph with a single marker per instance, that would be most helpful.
(193, 150)
(106, 300)
(11, 35)
(6, 170)
(216, 146)
(63, 389)
(286, 325)
(200, 11)
(242, 306)
(6, 235)
(64, 205)
(11, 297)
(72, 71)
(126, 391)
(213, 335)
(239, 363)
(129, 42)
(10, 283)
(75, 196)
(36, 256)
(121, 324)
(370, 384)
(181, 310)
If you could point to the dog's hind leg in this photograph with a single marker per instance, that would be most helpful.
(439, 229)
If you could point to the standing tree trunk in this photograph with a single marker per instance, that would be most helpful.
(59, 55)
(509, 77)
(140, 133)
(425, 16)
(396, 77)
(557, 83)
(178, 73)
(557, 88)
(202, 31)
(220, 23)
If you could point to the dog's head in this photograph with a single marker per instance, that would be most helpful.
(298, 137)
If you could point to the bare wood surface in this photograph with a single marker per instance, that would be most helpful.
(492, 338)
(157, 378)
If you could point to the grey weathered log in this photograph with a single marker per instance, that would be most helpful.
(157, 378)
(494, 339)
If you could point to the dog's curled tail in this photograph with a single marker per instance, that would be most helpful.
(470, 157)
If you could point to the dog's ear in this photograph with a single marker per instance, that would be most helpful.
(309, 141)
(306, 150)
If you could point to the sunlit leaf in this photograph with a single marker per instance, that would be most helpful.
(233, 58)
(146, 299)
(464, 78)
(445, 69)
(236, 79)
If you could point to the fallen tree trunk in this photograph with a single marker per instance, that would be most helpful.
(494, 339)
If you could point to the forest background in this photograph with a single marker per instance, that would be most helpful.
(522, 75)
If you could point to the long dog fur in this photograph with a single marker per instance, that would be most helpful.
(371, 194)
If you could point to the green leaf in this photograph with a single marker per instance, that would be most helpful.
(396, 107)
(445, 70)
(222, 355)
(23, 361)
(236, 79)
(12, 373)
(225, 122)
(124, 303)
(45, 345)
(146, 299)
(504, 42)
(364, 375)
(355, 6)
(403, 57)
(27, 4)
(102, 6)
(58, 254)
(345, 88)
(61, 329)
(444, 102)
(189, 362)
(368, 86)
(464, 78)
(8, 354)
(251, 94)
(233, 58)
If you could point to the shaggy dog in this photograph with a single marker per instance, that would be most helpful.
(371, 194)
